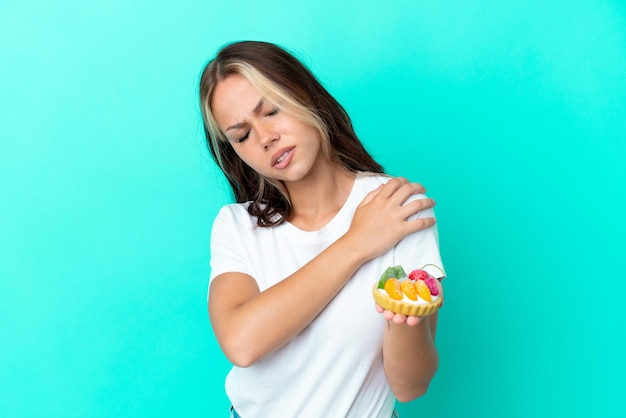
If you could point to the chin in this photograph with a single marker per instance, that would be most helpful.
(293, 175)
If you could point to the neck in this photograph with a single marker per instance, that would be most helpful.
(317, 201)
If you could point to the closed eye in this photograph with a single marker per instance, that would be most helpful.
(243, 138)
(272, 112)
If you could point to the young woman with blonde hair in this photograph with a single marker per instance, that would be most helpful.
(314, 224)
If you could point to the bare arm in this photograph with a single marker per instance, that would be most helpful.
(409, 353)
(250, 324)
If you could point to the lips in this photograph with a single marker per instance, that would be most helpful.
(282, 157)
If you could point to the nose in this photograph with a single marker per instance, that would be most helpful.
(268, 135)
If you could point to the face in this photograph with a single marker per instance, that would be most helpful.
(268, 139)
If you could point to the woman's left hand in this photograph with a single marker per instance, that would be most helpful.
(397, 318)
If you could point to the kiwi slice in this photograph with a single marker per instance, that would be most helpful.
(399, 271)
(395, 271)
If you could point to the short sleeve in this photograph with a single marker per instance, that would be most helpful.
(228, 237)
(421, 248)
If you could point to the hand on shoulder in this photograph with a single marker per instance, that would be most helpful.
(382, 219)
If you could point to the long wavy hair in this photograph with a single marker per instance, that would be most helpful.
(285, 82)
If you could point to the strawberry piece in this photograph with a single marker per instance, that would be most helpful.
(408, 289)
(422, 290)
(431, 282)
(392, 287)
(418, 275)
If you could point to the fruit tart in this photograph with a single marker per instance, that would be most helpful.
(415, 294)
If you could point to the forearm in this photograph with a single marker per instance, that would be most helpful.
(267, 320)
(410, 357)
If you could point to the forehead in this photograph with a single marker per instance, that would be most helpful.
(233, 98)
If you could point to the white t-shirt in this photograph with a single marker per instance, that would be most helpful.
(334, 367)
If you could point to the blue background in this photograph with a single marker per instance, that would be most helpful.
(510, 113)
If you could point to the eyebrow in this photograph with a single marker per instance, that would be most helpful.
(256, 110)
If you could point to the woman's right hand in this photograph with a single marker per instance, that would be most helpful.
(382, 219)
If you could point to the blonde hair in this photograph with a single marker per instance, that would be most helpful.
(286, 83)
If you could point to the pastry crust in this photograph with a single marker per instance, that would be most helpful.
(398, 306)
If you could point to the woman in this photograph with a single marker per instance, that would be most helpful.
(292, 262)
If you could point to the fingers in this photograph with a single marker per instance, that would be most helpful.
(397, 318)
(400, 189)
(415, 206)
(400, 319)
(371, 195)
(420, 223)
(413, 320)
(392, 186)
(418, 205)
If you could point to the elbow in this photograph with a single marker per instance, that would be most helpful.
(241, 360)
(240, 354)
(418, 388)
(410, 395)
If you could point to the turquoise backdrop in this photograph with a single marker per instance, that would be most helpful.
(510, 113)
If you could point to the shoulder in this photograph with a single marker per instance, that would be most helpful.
(235, 214)
(371, 181)
(367, 182)
(236, 209)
